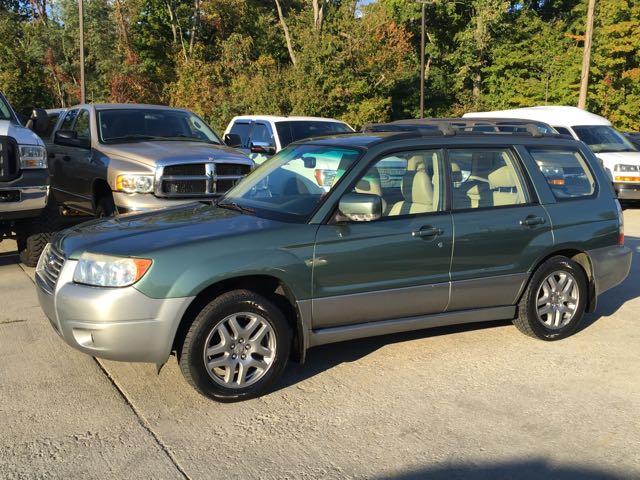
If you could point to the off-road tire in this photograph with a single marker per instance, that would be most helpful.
(527, 320)
(35, 234)
(190, 355)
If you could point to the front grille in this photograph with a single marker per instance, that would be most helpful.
(52, 264)
(192, 180)
(8, 158)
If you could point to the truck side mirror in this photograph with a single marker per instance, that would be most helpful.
(263, 148)
(232, 140)
(66, 137)
(38, 121)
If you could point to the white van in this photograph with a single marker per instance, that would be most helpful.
(619, 157)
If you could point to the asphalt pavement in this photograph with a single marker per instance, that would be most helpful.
(474, 402)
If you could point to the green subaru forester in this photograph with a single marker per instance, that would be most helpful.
(398, 231)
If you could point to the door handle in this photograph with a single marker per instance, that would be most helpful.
(532, 221)
(427, 232)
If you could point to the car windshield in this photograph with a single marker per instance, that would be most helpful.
(602, 138)
(139, 124)
(290, 185)
(294, 130)
(5, 111)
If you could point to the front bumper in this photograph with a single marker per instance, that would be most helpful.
(611, 266)
(113, 323)
(23, 199)
(142, 202)
(627, 191)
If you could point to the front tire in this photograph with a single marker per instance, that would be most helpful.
(236, 348)
(36, 234)
(105, 206)
(553, 305)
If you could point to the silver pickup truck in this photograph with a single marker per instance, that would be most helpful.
(108, 159)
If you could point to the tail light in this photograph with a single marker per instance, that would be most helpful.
(620, 224)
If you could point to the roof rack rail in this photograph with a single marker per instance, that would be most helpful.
(453, 126)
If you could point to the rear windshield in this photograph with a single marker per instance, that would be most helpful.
(294, 130)
(602, 138)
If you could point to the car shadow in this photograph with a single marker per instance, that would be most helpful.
(529, 469)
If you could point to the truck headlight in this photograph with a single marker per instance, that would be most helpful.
(625, 168)
(130, 183)
(32, 156)
(108, 271)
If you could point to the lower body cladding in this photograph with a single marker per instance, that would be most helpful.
(113, 323)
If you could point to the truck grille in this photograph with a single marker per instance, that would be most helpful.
(52, 264)
(8, 158)
(198, 179)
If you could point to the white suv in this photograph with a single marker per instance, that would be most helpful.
(619, 157)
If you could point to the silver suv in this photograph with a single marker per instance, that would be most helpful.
(111, 158)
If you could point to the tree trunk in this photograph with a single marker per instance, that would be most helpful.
(194, 25)
(287, 36)
(318, 15)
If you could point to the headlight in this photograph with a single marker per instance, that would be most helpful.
(129, 183)
(32, 156)
(625, 168)
(107, 271)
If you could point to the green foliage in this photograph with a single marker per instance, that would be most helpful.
(228, 57)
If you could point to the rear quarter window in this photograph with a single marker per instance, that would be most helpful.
(566, 172)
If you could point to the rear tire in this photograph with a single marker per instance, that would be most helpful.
(553, 305)
(236, 348)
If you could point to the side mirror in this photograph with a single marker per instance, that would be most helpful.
(70, 138)
(232, 140)
(38, 121)
(361, 207)
(263, 148)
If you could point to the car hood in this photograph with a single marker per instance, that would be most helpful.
(20, 134)
(631, 158)
(153, 152)
(142, 234)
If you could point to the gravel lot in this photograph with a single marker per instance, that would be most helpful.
(480, 402)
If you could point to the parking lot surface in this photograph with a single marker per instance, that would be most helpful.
(480, 401)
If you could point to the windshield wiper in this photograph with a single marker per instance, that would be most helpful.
(132, 137)
(236, 207)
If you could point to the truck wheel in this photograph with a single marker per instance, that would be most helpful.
(105, 206)
(236, 348)
(36, 234)
(552, 306)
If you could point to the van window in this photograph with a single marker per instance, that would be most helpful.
(294, 130)
(482, 178)
(563, 131)
(566, 172)
(602, 138)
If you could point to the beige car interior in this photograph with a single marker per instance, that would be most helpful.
(492, 182)
(420, 191)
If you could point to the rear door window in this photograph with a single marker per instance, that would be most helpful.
(566, 172)
(485, 178)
